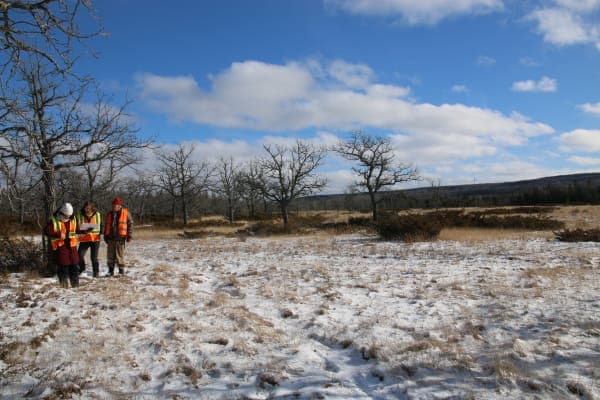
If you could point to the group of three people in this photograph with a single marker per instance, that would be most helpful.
(72, 235)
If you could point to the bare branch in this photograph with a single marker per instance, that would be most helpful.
(376, 167)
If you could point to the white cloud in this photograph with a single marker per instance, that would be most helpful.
(586, 161)
(290, 97)
(417, 12)
(570, 22)
(356, 76)
(486, 61)
(583, 140)
(528, 62)
(460, 89)
(339, 181)
(579, 5)
(591, 108)
(545, 84)
(560, 26)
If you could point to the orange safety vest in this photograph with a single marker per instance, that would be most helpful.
(121, 223)
(94, 234)
(60, 226)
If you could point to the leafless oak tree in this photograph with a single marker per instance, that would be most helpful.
(289, 173)
(20, 182)
(376, 167)
(43, 29)
(182, 177)
(52, 126)
(229, 184)
(251, 192)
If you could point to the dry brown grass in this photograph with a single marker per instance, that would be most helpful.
(474, 235)
(578, 217)
(574, 217)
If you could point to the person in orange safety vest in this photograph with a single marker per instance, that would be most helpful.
(118, 229)
(90, 239)
(62, 231)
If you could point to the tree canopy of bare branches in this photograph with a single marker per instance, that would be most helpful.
(52, 125)
(181, 176)
(43, 29)
(288, 172)
(376, 167)
(229, 184)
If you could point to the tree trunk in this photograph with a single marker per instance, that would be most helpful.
(49, 199)
(184, 211)
(373, 205)
(284, 213)
(230, 215)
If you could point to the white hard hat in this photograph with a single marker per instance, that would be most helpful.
(67, 209)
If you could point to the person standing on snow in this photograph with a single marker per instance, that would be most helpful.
(90, 239)
(118, 228)
(62, 231)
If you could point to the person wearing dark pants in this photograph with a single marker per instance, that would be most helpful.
(62, 231)
(90, 223)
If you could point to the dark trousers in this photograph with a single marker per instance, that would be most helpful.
(83, 247)
(68, 273)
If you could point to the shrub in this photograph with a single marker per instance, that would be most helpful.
(409, 227)
(484, 219)
(521, 210)
(13, 226)
(578, 235)
(520, 222)
(266, 228)
(19, 255)
(361, 221)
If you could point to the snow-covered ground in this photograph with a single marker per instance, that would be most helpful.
(320, 317)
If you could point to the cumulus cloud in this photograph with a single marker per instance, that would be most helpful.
(586, 161)
(579, 5)
(335, 97)
(417, 12)
(545, 84)
(460, 89)
(591, 108)
(584, 140)
(506, 171)
(356, 76)
(528, 62)
(486, 61)
(569, 22)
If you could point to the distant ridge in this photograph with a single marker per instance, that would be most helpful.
(560, 189)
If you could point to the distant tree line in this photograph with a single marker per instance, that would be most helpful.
(576, 192)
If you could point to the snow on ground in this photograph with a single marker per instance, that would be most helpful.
(321, 317)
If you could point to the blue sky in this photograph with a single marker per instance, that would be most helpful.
(467, 90)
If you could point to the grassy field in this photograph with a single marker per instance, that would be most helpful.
(574, 217)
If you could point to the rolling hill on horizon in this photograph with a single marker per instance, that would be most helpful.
(560, 189)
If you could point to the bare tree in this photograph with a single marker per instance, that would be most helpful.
(140, 194)
(52, 128)
(252, 176)
(101, 175)
(229, 184)
(45, 29)
(182, 177)
(289, 173)
(376, 167)
(20, 182)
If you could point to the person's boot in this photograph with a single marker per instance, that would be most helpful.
(64, 283)
(111, 271)
(95, 271)
(121, 271)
